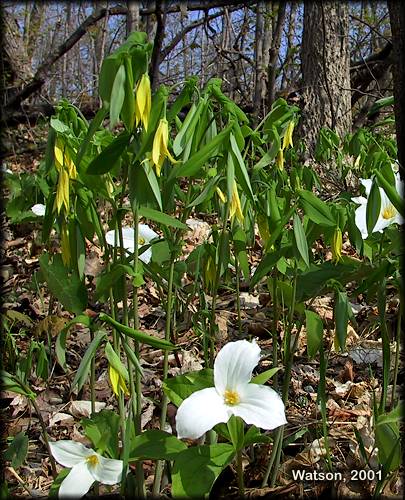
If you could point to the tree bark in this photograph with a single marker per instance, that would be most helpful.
(157, 45)
(397, 20)
(132, 16)
(325, 71)
(263, 37)
(274, 51)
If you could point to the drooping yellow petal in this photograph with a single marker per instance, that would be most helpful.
(235, 207)
(143, 101)
(280, 160)
(337, 246)
(210, 273)
(65, 245)
(159, 148)
(62, 191)
(263, 225)
(287, 139)
(117, 381)
(221, 195)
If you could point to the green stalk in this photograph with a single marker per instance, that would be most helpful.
(239, 468)
(397, 353)
(274, 332)
(238, 295)
(44, 432)
(288, 360)
(92, 378)
(160, 463)
(135, 383)
(215, 288)
(385, 345)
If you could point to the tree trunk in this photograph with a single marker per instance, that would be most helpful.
(274, 51)
(132, 16)
(325, 71)
(263, 39)
(397, 20)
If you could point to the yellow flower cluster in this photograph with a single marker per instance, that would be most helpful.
(66, 170)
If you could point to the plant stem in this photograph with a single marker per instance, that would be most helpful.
(45, 436)
(397, 353)
(238, 295)
(160, 463)
(274, 332)
(92, 377)
(239, 468)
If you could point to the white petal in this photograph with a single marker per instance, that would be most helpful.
(146, 256)
(234, 365)
(77, 483)
(69, 453)
(360, 200)
(200, 412)
(367, 183)
(146, 232)
(108, 471)
(128, 237)
(260, 406)
(361, 220)
(382, 223)
(39, 209)
(399, 184)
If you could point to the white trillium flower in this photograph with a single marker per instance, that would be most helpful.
(145, 235)
(87, 466)
(39, 209)
(388, 213)
(256, 404)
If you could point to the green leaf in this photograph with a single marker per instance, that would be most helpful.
(300, 239)
(314, 327)
(84, 367)
(109, 278)
(117, 96)
(155, 445)
(236, 428)
(341, 318)
(317, 210)
(193, 165)
(266, 265)
(128, 108)
(180, 387)
(144, 186)
(64, 283)
(108, 72)
(373, 207)
(240, 169)
(137, 335)
(394, 416)
(94, 126)
(253, 435)
(11, 383)
(206, 193)
(17, 451)
(60, 344)
(115, 361)
(391, 192)
(161, 217)
(103, 431)
(389, 445)
(263, 377)
(109, 156)
(196, 469)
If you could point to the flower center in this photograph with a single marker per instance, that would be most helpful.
(92, 460)
(388, 212)
(231, 398)
(141, 241)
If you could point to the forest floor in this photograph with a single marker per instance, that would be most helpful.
(353, 378)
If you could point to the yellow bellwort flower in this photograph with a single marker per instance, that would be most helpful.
(280, 160)
(65, 245)
(143, 101)
(287, 139)
(66, 170)
(117, 381)
(337, 245)
(235, 207)
(159, 148)
(209, 273)
(221, 195)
